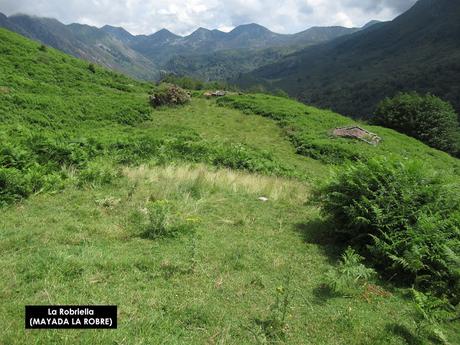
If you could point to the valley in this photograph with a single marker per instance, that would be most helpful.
(238, 216)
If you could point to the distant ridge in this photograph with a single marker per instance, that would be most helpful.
(107, 47)
(419, 50)
(144, 56)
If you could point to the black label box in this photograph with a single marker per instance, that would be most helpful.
(70, 317)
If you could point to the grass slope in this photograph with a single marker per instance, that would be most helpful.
(310, 129)
(216, 285)
(222, 279)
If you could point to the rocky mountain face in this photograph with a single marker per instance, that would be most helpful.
(419, 50)
(143, 56)
(86, 42)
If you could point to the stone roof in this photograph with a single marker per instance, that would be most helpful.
(356, 132)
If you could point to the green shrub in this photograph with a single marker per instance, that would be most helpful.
(350, 275)
(430, 313)
(14, 156)
(131, 116)
(191, 147)
(159, 220)
(274, 328)
(92, 68)
(13, 186)
(41, 179)
(326, 150)
(403, 217)
(18, 184)
(164, 221)
(169, 94)
(280, 93)
(59, 152)
(97, 173)
(240, 157)
(427, 118)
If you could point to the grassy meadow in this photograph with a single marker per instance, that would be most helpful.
(106, 200)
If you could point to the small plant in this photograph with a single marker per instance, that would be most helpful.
(163, 221)
(97, 174)
(43, 48)
(92, 68)
(13, 186)
(350, 275)
(159, 220)
(430, 313)
(273, 329)
(108, 203)
(169, 95)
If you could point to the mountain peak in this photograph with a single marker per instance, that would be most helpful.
(114, 28)
(201, 34)
(164, 35)
(371, 23)
(252, 28)
(165, 31)
(118, 32)
(200, 31)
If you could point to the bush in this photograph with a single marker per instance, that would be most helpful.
(427, 118)
(14, 156)
(191, 147)
(92, 68)
(403, 217)
(18, 184)
(59, 152)
(168, 94)
(240, 157)
(13, 186)
(164, 222)
(98, 173)
(40, 179)
(430, 313)
(350, 275)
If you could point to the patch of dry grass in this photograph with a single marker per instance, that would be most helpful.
(201, 177)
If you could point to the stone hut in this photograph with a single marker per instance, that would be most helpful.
(356, 132)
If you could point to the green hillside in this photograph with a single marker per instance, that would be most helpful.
(84, 42)
(310, 130)
(417, 51)
(106, 200)
(226, 64)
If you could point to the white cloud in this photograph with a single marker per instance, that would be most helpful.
(182, 17)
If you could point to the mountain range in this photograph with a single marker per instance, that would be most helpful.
(208, 54)
(419, 50)
(348, 70)
(84, 42)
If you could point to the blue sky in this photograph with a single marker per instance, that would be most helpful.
(183, 17)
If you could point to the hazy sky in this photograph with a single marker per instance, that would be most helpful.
(183, 17)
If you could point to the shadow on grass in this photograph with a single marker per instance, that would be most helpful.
(404, 333)
(322, 294)
(321, 233)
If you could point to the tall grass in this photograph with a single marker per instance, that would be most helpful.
(194, 178)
